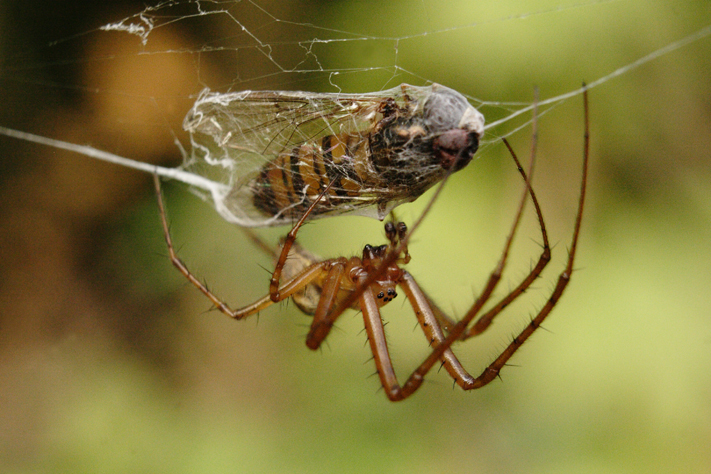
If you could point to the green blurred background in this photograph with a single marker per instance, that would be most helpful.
(110, 362)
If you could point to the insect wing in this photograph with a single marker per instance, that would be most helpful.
(267, 123)
(235, 135)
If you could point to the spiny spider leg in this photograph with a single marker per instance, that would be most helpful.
(370, 307)
(485, 320)
(291, 287)
(288, 243)
(492, 371)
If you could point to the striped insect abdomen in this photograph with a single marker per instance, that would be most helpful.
(293, 180)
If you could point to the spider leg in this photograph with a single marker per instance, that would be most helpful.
(430, 325)
(294, 285)
(378, 345)
(288, 243)
(492, 371)
(563, 279)
(418, 376)
(485, 320)
(323, 321)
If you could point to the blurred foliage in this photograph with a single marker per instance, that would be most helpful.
(110, 362)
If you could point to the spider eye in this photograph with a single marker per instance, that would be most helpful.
(381, 295)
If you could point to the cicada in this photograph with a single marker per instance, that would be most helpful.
(278, 151)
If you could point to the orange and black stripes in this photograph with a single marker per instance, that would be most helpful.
(290, 182)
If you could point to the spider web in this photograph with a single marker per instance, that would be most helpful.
(494, 55)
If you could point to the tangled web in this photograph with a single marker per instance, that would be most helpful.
(343, 51)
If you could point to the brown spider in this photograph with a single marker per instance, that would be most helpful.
(327, 288)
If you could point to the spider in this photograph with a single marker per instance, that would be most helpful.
(326, 288)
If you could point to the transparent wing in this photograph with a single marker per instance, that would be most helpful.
(268, 123)
(234, 135)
